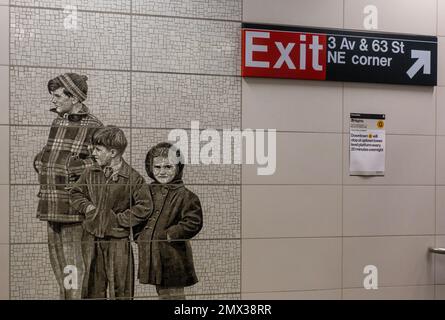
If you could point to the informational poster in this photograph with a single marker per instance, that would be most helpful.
(291, 52)
(367, 145)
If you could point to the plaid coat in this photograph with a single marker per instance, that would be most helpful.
(61, 162)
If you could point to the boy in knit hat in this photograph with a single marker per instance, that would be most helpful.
(62, 160)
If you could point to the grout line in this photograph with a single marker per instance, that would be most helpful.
(15, 65)
(241, 178)
(125, 70)
(131, 113)
(342, 168)
(339, 288)
(232, 129)
(342, 188)
(274, 185)
(398, 286)
(292, 291)
(9, 164)
(271, 238)
(435, 167)
(124, 13)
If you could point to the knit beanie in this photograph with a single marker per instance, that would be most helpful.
(76, 84)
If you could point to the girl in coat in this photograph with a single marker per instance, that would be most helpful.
(165, 254)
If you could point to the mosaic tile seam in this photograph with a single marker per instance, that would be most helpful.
(159, 100)
(201, 9)
(41, 37)
(217, 265)
(221, 210)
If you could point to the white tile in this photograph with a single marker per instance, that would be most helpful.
(4, 35)
(441, 61)
(4, 156)
(291, 264)
(440, 18)
(4, 272)
(212, 9)
(163, 100)
(294, 295)
(439, 261)
(317, 13)
(400, 261)
(292, 105)
(390, 293)
(440, 160)
(96, 5)
(440, 93)
(302, 158)
(416, 117)
(372, 210)
(291, 211)
(4, 95)
(440, 210)
(4, 214)
(402, 16)
(440, 292)
(409, 161)
(39, 37)
(186, 45)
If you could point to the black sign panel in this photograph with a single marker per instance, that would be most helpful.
(338, 55)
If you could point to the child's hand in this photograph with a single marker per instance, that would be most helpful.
(89, 212)
(168, 237)
(90, 207)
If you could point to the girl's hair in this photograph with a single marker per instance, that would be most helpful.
(111, 137)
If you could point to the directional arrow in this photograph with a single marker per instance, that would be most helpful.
(423, 60)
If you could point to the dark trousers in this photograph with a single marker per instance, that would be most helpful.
(109, 264)
(170, 293)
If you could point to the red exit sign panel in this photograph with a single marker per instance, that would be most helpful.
(281, 54)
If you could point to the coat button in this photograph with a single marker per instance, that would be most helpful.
(157, 212)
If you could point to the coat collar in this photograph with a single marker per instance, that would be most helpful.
(175, 184)
(124, 170)
(78, 116)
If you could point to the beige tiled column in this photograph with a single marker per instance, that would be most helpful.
(4, 146)
(312, 202)
(441, 62)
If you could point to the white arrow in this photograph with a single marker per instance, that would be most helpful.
(423, 60)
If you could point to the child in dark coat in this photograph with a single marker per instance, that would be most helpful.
(165, 254)
(113, 197)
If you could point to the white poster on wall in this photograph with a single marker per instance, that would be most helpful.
(367, 145)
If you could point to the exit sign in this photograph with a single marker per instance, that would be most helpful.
(338, 55)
